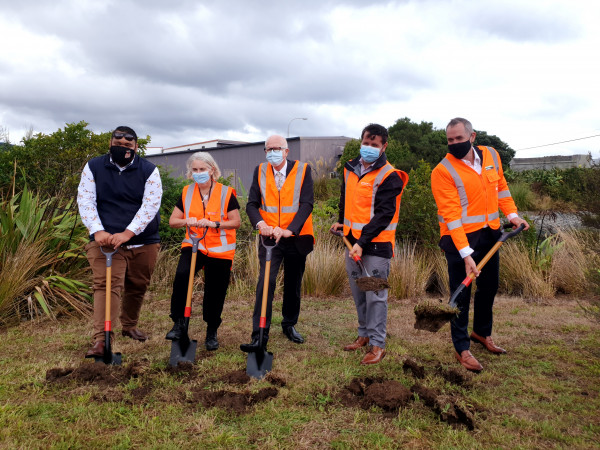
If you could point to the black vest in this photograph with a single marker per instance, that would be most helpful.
(119, 196)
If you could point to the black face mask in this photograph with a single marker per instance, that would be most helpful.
(117, 154)
(460, 149)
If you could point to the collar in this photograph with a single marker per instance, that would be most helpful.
(118, 166)
(283, 170)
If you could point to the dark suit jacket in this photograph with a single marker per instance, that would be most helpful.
(304, 244)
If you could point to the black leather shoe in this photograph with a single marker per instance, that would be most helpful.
(211, 342)
(252, 346)
(293, 335)
(177, 330)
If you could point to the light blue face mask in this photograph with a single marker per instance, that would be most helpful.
(369, 154)
(275, 157)
(201, 177)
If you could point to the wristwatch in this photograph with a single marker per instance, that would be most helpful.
(217, 224)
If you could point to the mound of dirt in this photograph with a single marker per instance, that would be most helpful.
(455, 375)
(450, 410)
(432, 316)
(237, 402)
(96, 373)
(413, 366)
(274, 379)
(427, 395)
(236, 377)
(389, 395)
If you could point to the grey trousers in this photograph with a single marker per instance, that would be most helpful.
(371, 306)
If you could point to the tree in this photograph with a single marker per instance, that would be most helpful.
(506, 153)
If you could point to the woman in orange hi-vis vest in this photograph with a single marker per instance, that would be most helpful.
(469, 187)
(205, 204)
(369, 206)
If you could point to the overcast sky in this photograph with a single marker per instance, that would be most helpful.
(189, 71)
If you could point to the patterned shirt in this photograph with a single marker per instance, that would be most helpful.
(86, 199)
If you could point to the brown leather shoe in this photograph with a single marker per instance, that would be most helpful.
(487, 343)
(468, 361)
(374, 355)
(96, 350)
(358, 343)
(135, 333)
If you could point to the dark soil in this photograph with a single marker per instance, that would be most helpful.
(432, 316)
(413, 366)
(390, 396)
(274, 379)
(455, 375)
(237, 402)
(235, 377)
(371, 283)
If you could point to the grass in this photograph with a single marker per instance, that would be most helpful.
(543, 394)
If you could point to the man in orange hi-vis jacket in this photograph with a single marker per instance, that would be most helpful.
(469, 187)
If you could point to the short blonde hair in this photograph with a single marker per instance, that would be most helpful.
(204, 157)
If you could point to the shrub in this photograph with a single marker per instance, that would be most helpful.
(410, 271)
(325, 273)
(523, 196)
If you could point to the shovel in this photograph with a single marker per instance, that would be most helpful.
(109, 357)
(260, 361)
(433, 317)
(184, 349)
(367, 283)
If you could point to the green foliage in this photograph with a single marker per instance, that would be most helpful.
(351, 151)
(523, 196)
(41, 241)
(172, 189)
(422, 142)
(53, 163)
(506, 153)
(417, 221)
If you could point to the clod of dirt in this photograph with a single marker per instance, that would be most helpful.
(432, 316)
(417, 369)
(236, 377)
(274, 379)
(426, 394)
(453, 413)
(457, 376)
(388, 395)
(232, 401)
(371, 283)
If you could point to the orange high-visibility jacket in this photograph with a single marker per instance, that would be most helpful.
(467, 201)
(359, 201)
(278, 208)
(218, 243)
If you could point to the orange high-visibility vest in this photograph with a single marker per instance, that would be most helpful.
(359, 202)
(278, 208)
(466, 201)
(218, 242)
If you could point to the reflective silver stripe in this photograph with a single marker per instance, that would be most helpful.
(494, 216)
(358, 226)
(263, 186)
(474, 219)
(223, 235)
(200, 246)
(346, 177)
(455, 224)
(494, 157)
(382, 173)
(222, 248)
(187, 202)
(440, 219)
(504, 194)
(347, 222)
(270, 209)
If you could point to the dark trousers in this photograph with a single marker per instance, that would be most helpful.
(293, 271)
(487, 287)
(216, 281)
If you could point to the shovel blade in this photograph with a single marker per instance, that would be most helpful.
(259, 363)
(180, 352)
(114, 359)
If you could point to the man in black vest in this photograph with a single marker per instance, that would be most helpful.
(119, 197)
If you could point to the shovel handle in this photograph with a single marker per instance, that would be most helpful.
(357, 259)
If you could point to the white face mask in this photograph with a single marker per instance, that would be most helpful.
(275, 157)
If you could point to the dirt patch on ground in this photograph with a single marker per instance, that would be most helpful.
(237, 402)
(97, 373)
(391, 396)
(411, 365)
(235, 377)
(274, 379)
(431, 316)
(455, 375)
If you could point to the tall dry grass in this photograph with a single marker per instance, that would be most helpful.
(410, 271)
(439, 278)
(245, 270)
(571, 261)
(520, 273)
(325, 273)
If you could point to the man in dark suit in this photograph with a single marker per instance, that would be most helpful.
(277, 211)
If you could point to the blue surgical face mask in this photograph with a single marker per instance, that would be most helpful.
(201, 177)
(275, 157)
(369, 154)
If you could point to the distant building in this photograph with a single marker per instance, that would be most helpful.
(550, 162)
(239, 160)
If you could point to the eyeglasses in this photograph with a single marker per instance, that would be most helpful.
(127, 136)
(274, 149)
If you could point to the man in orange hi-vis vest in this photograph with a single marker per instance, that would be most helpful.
(280, 204)
(469, 187)
(369, 206)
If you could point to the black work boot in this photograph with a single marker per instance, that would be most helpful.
(177, 330)
(211, 342)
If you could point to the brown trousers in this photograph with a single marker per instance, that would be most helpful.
(131, 272)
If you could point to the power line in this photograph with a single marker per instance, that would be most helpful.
(561, 142)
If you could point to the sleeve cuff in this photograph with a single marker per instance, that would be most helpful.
(512, 216)
(464, 252)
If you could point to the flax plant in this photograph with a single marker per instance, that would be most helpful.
(410, 271)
